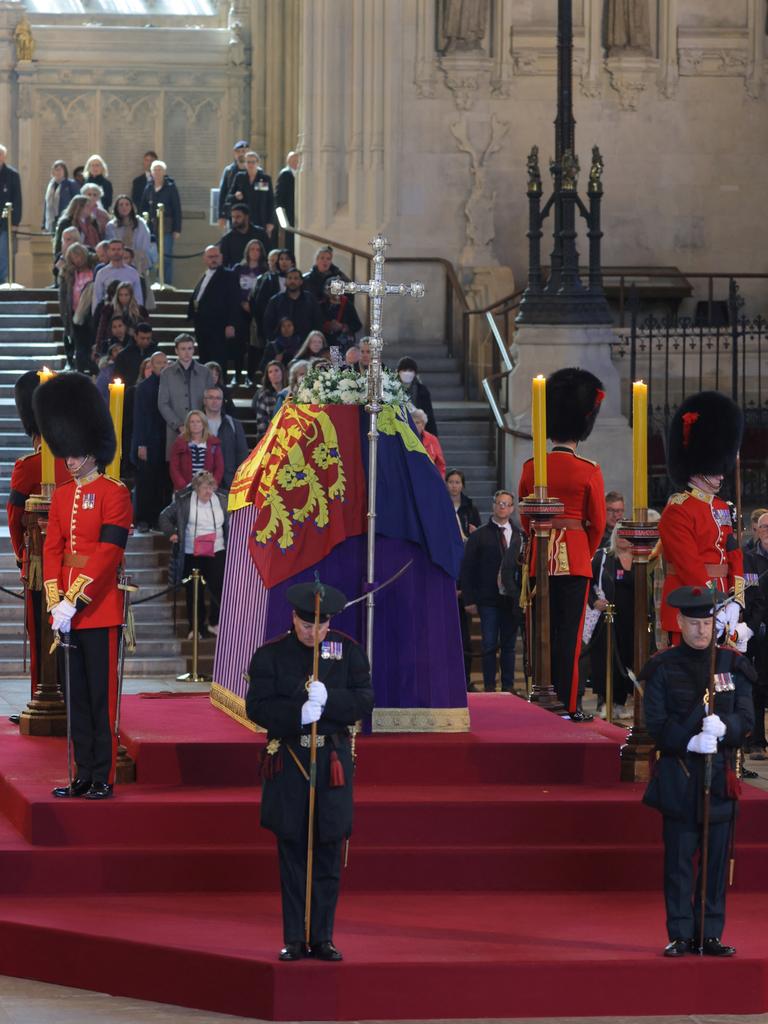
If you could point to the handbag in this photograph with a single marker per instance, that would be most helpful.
(204, 545)
(592, 616)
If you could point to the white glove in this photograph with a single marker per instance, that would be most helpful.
(740, 636)
(727, 618)
(702, 743)
(310, 712)
(317, 692)
(62, 615)
(714, 726)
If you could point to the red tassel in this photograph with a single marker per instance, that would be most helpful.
(732, 784)
(337, 771)
(271, 764)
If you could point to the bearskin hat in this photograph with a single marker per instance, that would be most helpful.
(74, 418)
(704, 437)
(22, 392)
(573, 402)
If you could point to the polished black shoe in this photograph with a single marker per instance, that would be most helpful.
(14, 719)
(747, 773)
(99, 791)
(293, 951)
(325, 951)
(678, 947)
(581, 716)
(79, 787)
(714, 947)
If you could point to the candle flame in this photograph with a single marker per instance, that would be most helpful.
(117, 381)
(540, 376)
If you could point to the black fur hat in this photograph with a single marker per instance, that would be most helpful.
(23, 390)
(573, 402)
(704, 437)
(74, 418)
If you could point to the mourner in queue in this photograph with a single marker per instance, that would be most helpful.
(686, 732)
(574, 397)
(88, 525)
(285, 699)
(696, 526)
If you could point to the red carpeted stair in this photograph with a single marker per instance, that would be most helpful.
(504, 872)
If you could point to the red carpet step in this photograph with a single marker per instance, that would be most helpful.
(437, 955)
(502, 872)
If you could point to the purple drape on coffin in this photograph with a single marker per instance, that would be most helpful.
(417, 653)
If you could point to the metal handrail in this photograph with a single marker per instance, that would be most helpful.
(454, 289)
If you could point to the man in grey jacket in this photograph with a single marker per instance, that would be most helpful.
(228, 429)
(182, 386)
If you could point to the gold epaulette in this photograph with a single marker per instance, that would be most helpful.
(678, 498)
(585, 459)
(113, 480)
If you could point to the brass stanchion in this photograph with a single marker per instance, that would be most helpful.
(46, 713)
(610, 610)
(542, 509)
(7, 216)
(194, 676)
(636, 752)
(125, 766)
(160, 285)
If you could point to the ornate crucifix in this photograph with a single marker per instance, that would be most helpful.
(377, 288)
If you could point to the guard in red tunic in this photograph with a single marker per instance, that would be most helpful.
(88, 527)
(696, 527)
(25, 481)
(573, 402)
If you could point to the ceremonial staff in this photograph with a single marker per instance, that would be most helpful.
(707, 797)
(376, 289)
(319, 593)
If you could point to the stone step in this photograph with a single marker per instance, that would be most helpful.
(39, 334)
(11, 308)
(25, 320)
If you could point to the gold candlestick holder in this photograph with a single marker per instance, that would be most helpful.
(542, 509)
(637, 751)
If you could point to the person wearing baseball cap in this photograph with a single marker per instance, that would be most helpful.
(240, 148)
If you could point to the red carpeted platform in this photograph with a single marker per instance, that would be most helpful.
(499, 873)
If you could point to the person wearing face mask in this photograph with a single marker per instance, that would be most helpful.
(696, 528)
(416, 389)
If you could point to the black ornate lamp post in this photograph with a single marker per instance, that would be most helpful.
(564, 299)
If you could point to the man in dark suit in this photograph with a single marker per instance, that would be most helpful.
(285, 194)
(10, 192)
(233, 243)
(295, 303)
(253, 186)
(213, 309)
(141, 181)
(240, 148)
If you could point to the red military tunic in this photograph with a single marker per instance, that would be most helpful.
(25, 481)
(695, 528)
(88, 528)
(578, 483)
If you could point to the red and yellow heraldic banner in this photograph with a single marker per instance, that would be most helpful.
(305, 478)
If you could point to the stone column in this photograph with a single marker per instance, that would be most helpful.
(276, 32)
(10, 12)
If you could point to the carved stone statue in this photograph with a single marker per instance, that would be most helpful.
(628, 26)
(25, 43)
(596, 171)
(534, 171)
(236, 42)
(463, 24)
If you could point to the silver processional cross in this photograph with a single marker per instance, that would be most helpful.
(377, 288)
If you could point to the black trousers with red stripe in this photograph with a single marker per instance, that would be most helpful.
(567, 605)
(93, 697)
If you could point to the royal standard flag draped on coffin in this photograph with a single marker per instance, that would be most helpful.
(307, 479)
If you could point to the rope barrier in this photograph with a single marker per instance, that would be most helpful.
(13, 593)
(160, 593)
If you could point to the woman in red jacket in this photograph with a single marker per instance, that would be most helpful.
(193, 451)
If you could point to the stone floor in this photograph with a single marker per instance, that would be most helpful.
(29, 1002)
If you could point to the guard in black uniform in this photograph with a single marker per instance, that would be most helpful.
(676, 682)
(285, 700)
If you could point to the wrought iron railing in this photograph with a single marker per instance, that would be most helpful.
(677, 356)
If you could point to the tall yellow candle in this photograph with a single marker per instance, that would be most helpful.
(539, 430)
(47, 470)
(116, 402)
(639, 445)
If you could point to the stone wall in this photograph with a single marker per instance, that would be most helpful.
(430, 143)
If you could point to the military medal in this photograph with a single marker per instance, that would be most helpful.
(89, 501)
